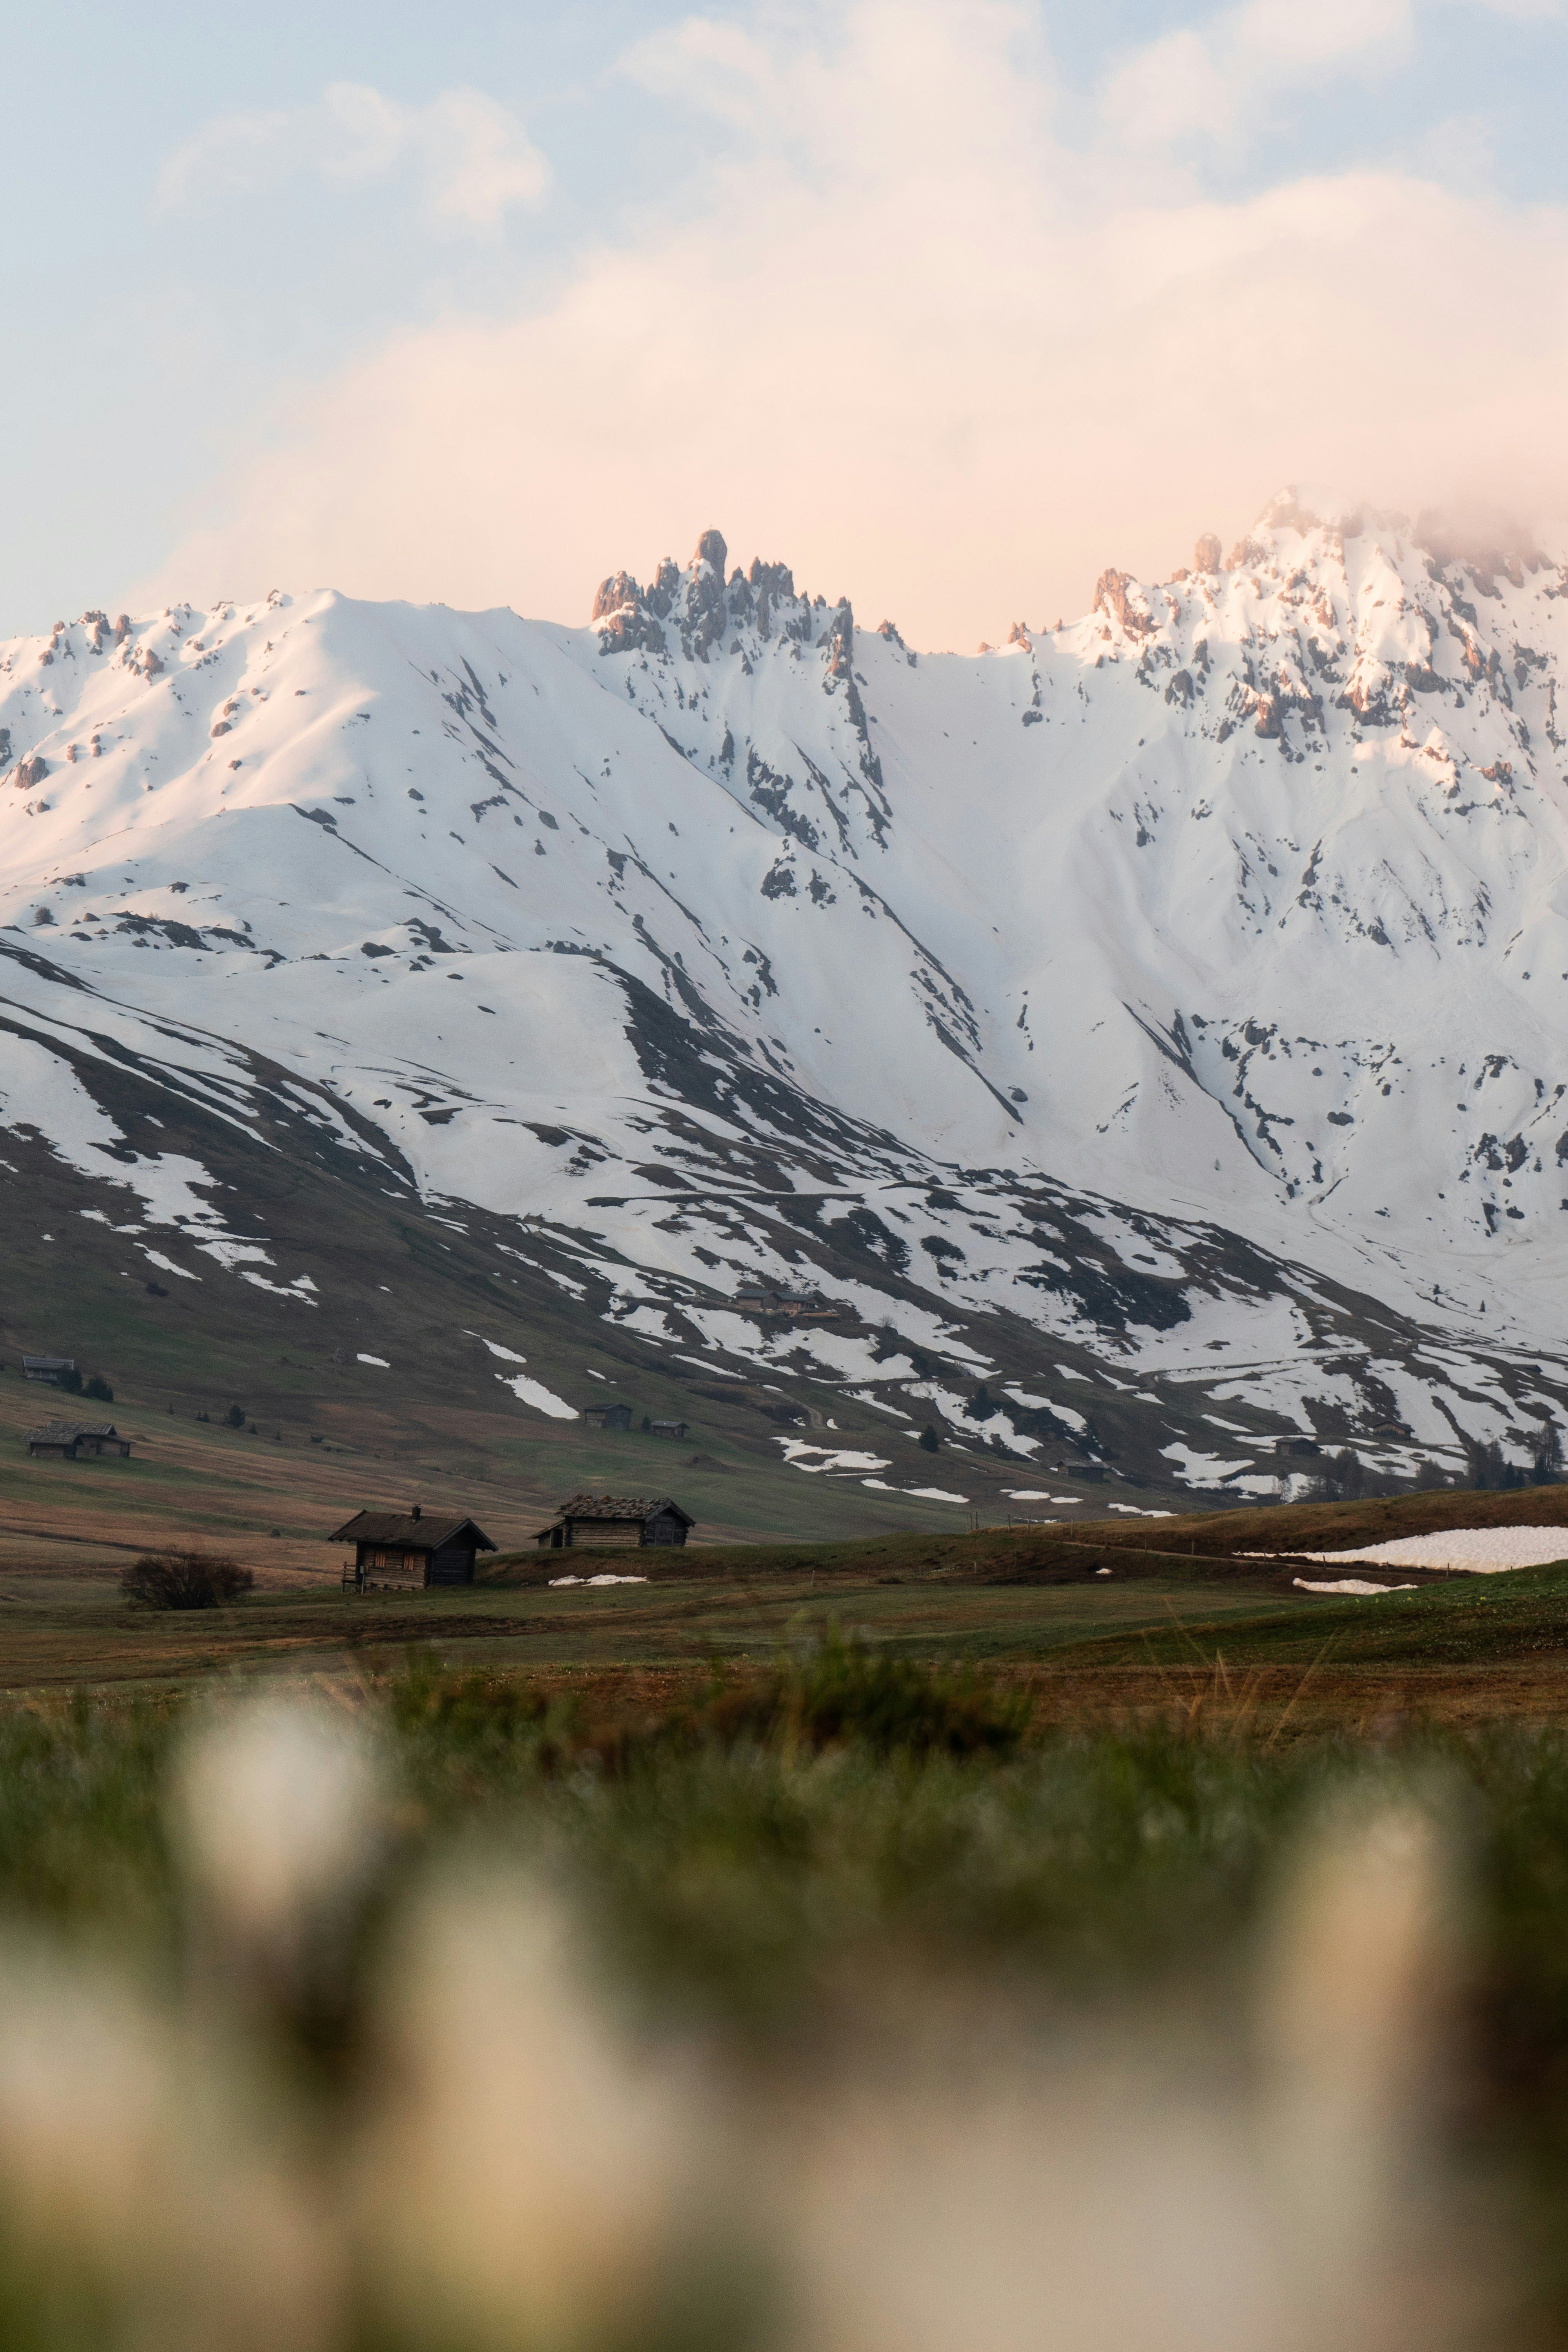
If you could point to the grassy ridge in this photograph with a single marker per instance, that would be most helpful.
(1469, 1622)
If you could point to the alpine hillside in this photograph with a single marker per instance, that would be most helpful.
(1143, 1041)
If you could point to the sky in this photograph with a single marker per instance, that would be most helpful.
(948, 305)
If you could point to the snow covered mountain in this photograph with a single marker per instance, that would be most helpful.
(1162, 1014)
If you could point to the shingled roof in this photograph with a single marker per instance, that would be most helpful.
(66, 1432)
(621, 1507)
(402, 1530)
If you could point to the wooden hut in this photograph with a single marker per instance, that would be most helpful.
(74, 1441)
(608, 1416)
(668, 1428)
(52, 1368)
(406, 1551)
(632, 1519)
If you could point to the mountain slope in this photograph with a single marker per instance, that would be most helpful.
(1157, 1019)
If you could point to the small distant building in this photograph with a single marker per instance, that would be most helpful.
(406, 1551)
(48, 1368)
(608, 1416)
(667, 1428)
(1308, 1447)
(768, 1298)
(75, 1441)
(634, 1519)
(1093, 1472)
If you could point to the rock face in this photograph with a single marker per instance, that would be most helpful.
(1173, 993)
(1205, 554)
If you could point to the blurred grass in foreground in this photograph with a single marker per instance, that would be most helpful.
(834, 2005)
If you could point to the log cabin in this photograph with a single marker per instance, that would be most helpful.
(74, 1441)
(405, 1551)
(632, 1520)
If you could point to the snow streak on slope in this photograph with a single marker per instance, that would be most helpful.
(1173, 987)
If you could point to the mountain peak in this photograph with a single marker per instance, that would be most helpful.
(697, 605)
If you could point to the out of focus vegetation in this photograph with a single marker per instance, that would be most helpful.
(768, 1867)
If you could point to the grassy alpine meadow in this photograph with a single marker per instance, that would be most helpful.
(819, 1998)
(1039, 1936)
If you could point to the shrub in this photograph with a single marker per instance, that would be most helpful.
(185, 1580)
(71, 1381)
(235, 1417)
(98, 1387)
(930, 1441)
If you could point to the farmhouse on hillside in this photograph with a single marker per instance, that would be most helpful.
(405, 1551)
(608, 1416)
(48, 1368)
(72, 1440)
(615, 1520)
(668, 1428)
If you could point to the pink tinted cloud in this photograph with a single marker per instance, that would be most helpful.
(908, 338)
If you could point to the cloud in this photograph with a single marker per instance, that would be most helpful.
(888, 326)
(1219, 83)
(473, 159)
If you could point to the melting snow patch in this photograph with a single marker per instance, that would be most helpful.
(507, 1355)
(379, 1361)
(1196, 1469)
(230, 1253)
(535, 1394)
(596, 1579)
(297, 1289)
(1350, 1584)
(865, 1396)
(166, 1264)
(935, 1495)
(1039, 1494)
(1483, 1551)
(1135, 1511)
(795, 1449)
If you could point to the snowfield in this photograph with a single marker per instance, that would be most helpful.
(1350, 1584)
(1481, 1551)
(1174, 1000)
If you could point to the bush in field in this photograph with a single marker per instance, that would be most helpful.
(185, 1580)
(98, 1388)
(235, 1417)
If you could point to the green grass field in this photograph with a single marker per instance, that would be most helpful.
(1125, 1614)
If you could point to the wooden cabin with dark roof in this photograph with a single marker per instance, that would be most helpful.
(72, 1440)
(630, 1519)
(405, 1551)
